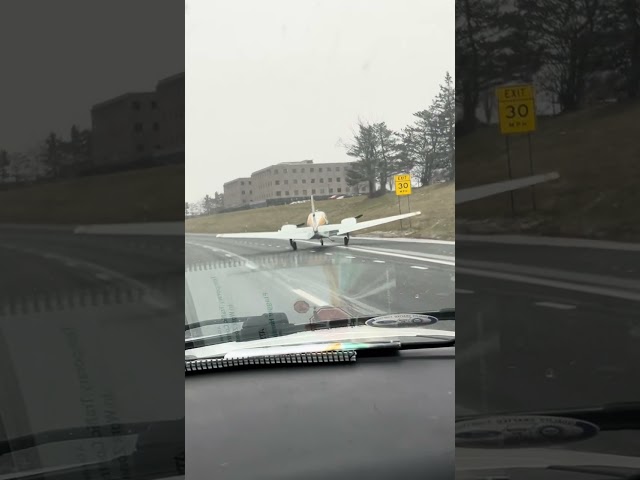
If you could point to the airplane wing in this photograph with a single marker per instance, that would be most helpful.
(288, 232)
(349, 225)
(482, 191)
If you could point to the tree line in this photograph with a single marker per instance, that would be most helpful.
(54, 157)
(206, 206)
(576, 51)
(425, 149)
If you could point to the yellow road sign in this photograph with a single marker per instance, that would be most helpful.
(403, 185)
(516, 109)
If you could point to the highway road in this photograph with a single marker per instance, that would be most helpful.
(55, 261)
(546, 325)
(370, 276)
(90, 329)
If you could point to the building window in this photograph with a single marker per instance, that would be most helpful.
(156, 127)
(137, 127)
(135, 105)
(313, 192)
(241, 182)
(278, 193)
(320, 169)
(304, 192)
(331, 190)
(296, 192)
(302, 170)
(328, 169)
(312, 169)
(275, 171)
(154, 104)
(313, 180)
(339, 190)
(286, 182)
(249, 182)
(295, 180)
(330, 180)
(286, 193)
(304, 180)
(243, 192)
(322, 190)
(250, 192)
(338, 179)
(295, 170)
(322, 180)
(284, 170)
(277, 182)
(337, 169)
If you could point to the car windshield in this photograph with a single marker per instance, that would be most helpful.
(309, 198)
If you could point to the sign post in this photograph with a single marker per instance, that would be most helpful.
(403, 188)
(517, 114)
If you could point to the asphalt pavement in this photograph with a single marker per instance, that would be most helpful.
(370, 276)
(546, 327)
(89, 328)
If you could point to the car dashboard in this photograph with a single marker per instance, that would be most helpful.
(389, 416)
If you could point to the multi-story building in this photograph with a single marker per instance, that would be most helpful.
(122, 129)
(290, 180)
(237, 193)
(136, 126)
(170, 101)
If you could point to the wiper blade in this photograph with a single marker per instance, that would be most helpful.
(277, 325)
(611, 416)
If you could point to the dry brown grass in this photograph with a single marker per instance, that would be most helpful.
(153, 194)
(596, 152)
(436, 202)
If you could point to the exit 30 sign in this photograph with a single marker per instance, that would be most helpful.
(516, 109)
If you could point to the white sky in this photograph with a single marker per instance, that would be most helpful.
(285, 80)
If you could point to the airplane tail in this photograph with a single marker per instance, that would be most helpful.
(313, 215)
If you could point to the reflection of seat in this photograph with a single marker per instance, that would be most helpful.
(264, 326)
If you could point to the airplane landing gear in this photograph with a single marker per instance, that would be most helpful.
(293, 244)
(346, 240)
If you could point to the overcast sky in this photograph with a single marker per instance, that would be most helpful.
(285, 80)
(60, 57)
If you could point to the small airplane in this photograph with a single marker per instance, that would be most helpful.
(317, 227)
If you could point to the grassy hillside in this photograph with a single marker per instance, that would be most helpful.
(596, 152)
(152, 194)
(435, 202)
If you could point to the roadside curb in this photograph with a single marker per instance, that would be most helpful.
(549, 242)
(143, 229)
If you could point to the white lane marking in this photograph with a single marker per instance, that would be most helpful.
(463, 291)
(271, 245)
(103, 276)
(401, 255)
(247, 262)
(278, 246)
(312, 251)
(308, 296)
(558, 306)
(378, 261)
(419, 268)
(408, 240)
(582, 278)
(606, 292)
(330, 254)
(349, 256)
(550, 242)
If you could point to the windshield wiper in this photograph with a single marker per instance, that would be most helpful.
(278, 325)
(610, 416)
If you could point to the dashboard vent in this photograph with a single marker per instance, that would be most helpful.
(205, 364)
